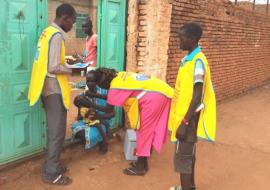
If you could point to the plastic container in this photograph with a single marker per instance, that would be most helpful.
(130, 145)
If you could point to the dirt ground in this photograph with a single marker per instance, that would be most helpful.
(239, 159)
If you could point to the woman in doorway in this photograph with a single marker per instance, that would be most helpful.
(152, 98)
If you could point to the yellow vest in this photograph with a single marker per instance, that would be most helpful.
(183, 95)
(131, 107)
(39, 69)
(135, 81)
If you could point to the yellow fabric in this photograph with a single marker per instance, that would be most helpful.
(135, 81)
(39, 69)
(131, 107)
(88, 120)
(182, 98)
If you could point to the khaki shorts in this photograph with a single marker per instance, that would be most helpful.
(184, 157)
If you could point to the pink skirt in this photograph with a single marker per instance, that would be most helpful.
(154, 113)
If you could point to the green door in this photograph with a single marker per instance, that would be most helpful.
(21, 127)
(111, 38)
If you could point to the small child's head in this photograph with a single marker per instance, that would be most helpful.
(190, 35)
(91, 80)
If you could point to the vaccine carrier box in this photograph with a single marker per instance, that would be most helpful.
(130, 145)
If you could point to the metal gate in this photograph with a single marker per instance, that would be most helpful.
(111, 39)
(21, 127)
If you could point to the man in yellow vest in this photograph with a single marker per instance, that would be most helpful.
(49, 80)
(193, 107)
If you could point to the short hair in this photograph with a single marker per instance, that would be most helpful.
(90, 76)
(109, 74)
(65, 9)
(192, 29)
(87, 21)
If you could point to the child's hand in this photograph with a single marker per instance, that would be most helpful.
(90, 114)
(89, 93)
(95, 116)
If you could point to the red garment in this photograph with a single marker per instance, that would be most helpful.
(91, 50)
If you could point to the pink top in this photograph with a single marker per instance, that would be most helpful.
(91, 50)
(118, 97)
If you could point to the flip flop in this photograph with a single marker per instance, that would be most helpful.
(63, 169)
(134, 164)
(133, 171)
(59, 180)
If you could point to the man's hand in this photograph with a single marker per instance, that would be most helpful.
(70, 61)
(181, 132)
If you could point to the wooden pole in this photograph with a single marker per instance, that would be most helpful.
(254, 4)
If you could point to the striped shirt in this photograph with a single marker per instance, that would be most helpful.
(199, 71)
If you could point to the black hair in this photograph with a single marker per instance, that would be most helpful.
(192, 30)
(91, 76)
(65, 9)
(87, 21)
(109, 74)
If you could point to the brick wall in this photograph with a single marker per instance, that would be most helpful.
(235, 41)
(83, 6)
(148, 36)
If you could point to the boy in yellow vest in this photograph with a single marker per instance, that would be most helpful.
(49, 79)
(193, 108)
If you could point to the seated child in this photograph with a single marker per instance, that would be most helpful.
(93, 125)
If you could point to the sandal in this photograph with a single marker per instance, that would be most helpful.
(63, 169)
(134, 171)
(60, 180)
(134, 164)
